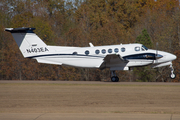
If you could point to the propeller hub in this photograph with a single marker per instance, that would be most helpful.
(158, 56)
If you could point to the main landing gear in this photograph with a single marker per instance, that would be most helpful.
(172, 75)
(114, 78)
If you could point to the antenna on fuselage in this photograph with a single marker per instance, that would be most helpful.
(91, 45)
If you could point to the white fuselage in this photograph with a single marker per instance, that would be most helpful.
(115, 57)
(89, 57)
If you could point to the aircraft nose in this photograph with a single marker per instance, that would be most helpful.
(174, 57)
(166, 57)
(171, 56)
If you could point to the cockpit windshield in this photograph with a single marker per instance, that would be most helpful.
(144, 47)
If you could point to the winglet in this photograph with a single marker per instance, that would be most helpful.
(91, 45)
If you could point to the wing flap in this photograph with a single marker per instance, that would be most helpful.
(112, 59)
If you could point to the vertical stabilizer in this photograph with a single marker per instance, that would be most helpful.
(29, 43)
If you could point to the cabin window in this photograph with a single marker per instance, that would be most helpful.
(137, 48)
(109, 50)
(144, 47)
(123, 49)
(103, 51)
(97, 51)
(116, 50)
(87, 52)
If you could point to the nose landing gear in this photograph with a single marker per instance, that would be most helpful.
(114, 78)
(172, 75)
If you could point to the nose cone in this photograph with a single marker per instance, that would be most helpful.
(174, 57)
(158, 56)
(166, 57)
(171, 57)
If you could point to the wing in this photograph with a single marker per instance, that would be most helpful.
(113, 60)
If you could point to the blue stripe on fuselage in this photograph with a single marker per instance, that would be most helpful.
(145, 56)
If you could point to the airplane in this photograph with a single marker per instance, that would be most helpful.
(114, 57)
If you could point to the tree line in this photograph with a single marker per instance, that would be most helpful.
(78, 22)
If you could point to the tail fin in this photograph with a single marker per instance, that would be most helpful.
(29, 43)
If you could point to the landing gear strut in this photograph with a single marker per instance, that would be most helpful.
(114, 78)
(172, 75)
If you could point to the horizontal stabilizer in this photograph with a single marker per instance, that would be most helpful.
(20, 30)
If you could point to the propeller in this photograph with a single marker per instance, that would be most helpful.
(157, 56)
(157, 52)
(157, 49)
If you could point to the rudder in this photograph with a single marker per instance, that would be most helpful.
(28, 42)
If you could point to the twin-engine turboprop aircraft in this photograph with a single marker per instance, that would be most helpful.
(114, 57)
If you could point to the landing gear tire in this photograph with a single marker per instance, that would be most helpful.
(173, 76)
(114, 79)
(117, 79)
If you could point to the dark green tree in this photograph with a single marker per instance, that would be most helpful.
(144, 74)
(144, 39)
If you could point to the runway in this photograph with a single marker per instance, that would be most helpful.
(76, 100)
(86, 116)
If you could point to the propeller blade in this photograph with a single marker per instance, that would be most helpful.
(157, 49)
(156, 55)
